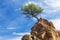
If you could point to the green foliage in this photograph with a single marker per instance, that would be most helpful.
(32, 9)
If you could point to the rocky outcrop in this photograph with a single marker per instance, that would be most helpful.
(43, 30)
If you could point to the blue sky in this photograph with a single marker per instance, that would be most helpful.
(13, 24)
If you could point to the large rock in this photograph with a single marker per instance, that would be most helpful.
(43, 30)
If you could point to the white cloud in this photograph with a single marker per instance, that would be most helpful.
(31, 2)
(10, 28)
(50, 11)
(56, 22)
(16, 38)
(21, 34)
(13, 38)
(53, 3)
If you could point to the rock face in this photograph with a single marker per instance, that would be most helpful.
(43, 30)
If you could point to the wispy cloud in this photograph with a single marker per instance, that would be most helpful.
(30, 2)
(10, 28)
(56, 23)
(53, 3)
(21, 34)
(13, 38)
(16, 38)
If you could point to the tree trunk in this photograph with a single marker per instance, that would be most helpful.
(36, 17)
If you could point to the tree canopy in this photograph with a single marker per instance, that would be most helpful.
(32, 10)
